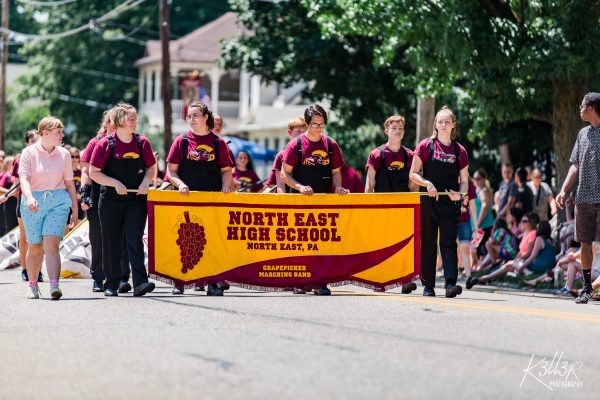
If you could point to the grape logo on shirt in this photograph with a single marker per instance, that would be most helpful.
(318, 157)
(191, 241)
(245, 181)
(202, 153)
(131, 155)
(444, 157)
(396, 165)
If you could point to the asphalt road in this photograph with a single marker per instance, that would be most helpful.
(355, 344)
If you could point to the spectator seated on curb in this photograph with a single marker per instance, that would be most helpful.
(540, 260)
(574, 270)
(502, 246)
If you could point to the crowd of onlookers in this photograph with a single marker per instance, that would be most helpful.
(520, 234)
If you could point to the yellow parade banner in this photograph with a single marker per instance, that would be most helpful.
(284, 240)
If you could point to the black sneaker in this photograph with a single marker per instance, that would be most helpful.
(144, 288)
(407, 289)
(428, 292)
(584, 297)
(213, 290)
(124, 287)
(471, 282)
(97, 287)
(453, 290)
(299, 290)
(198, 288)
(177, 290)
(323, 291)
(24, 275)
(40, 277)
(110, 293)
(223, 286)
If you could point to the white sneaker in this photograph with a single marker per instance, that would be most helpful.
(55, 292)
(33, 292)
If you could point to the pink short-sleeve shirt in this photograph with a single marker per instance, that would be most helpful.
(48, 171)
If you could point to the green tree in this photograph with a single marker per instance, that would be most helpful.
(286, 45)
(515, 59)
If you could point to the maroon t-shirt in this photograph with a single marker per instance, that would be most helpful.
(272, 180)
(313, 153)
(445, 154)
(89, 149)
(393, 160)
(351, 180)
(6, 180)
(246, 178)
(465, 214)
(15, 170)
(200, 148)
(77, 179)
(231, 157)
(122, 150)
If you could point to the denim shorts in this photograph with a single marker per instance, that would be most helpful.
(464, 232)
(50, 218)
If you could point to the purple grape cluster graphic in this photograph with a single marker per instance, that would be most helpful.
(191, 242)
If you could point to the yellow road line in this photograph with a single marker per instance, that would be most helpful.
(459, 303)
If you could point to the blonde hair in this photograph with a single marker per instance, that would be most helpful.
(448, 111)
(106, 116)
(118, 114)
(297, 122)
(49, 123)
(392, 120)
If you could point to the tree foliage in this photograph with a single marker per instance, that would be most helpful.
(78, 76)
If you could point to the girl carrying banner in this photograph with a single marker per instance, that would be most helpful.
(312, 163)
(444, 164)
(46, 178)
(123, 162)
(199, 161)
(90, 195)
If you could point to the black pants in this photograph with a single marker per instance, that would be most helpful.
(9, 209)
(118, 217)
(96, 243)
(439, 215)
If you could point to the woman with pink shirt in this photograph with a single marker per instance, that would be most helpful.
(46, 177)
(15, 198)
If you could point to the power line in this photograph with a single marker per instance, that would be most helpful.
(85, 102)
(86, 71)
(46, 3)
(121, 8)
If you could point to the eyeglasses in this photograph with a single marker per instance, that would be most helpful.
(132, 119)
(317, 126)
(193, 116)
(74, 157)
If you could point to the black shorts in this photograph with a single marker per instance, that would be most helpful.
(587, 222)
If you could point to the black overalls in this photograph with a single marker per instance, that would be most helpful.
(443, 215)
(123, 214)
(392, 180)
(96, 238)
(200, 176)
(318, 177)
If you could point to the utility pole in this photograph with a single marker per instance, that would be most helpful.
(4, 49)
(166, 74)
